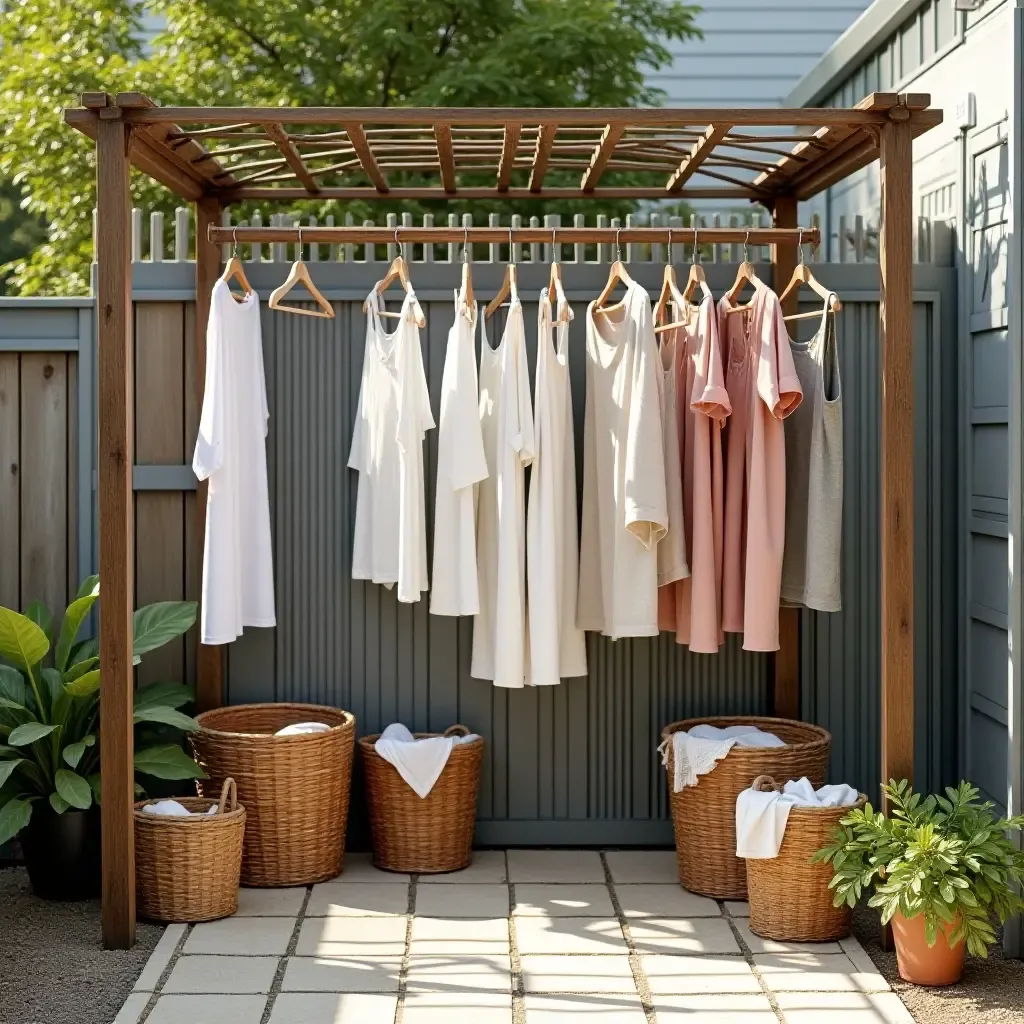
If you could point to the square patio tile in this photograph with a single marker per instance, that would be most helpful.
(358, 899)
(462, 900)
(856, 952)
(342, 974)
(643, 865)
(242, 936)
(664, 901)
(591, 1008)
(843, 1008)
(721, 1009)
(553, 974)
(270, 902)
(737, 908)
(487, 866)
(457, 1008)
(359, 868)
(533, 900)
(149, 979)
(554, 866)
(459, 936)
(352, 936)
(132, 1008)
(557, 935)
(333, 1008)
(682, 935)
(208, 1010)
(226, 975)
(810, 972)
(447, 976)
(696, 975)
(760, 945)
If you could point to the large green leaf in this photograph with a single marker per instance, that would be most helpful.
(7, 768)
(58, 803)
(156, 624)
(167, 761)
(12, 685)
(22, 642)
(73, 619)
(90, 585)
(80, 668)
(14, 816)
(60, 699)
(84, 685)
(28, 733)
(94, 785)
(73, 788)
(84, 650)
(40, 615)
(172, 695)
(74, 752)
(166, 716)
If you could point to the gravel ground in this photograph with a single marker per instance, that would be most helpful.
(52, 969)
(992, 991)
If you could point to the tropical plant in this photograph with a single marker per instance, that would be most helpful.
(49, 707)
(947, 857)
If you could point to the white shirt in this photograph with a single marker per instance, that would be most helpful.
(557, 647)
(460, 465)
(231, 452)
(625, 510)
(506, 419)
(393, 416)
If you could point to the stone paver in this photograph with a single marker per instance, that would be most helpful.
(358, 899)
(463, 1008)
(242, 936)
(352, 936)
(554, 935)
(482, 900)
(737, 908)
(132, 1009)
(342, 974)
(459, 936)
(538, 900)
(683, 935)
(591, 1008)
(760, 945)
(158, 960)
(695, 975)
(226, 975)
(333, 1008)
(843, 1008)
(664, 901)
(208, 1010)
(719, 1009)
(600, 973)
(450, 975)
(487, 866)
(574, 866)
(359, 868)
(269, 902)
(822, 972)
(643, 866)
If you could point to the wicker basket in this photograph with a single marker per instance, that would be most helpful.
(295, 788)
(704, 816)
(186, 869)
(426, 835)
(789, 896)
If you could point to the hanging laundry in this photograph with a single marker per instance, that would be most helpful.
(392, 418)
(692, 607)
(461, 465)
(557, 647)
(506, 418)
(764, 389)
(814, 475)
(625, 509)
(231, 452)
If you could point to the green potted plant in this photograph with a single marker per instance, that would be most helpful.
(49, 735)
(941, 868)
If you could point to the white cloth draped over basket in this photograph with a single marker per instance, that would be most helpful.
(419, 761)
(698, 751)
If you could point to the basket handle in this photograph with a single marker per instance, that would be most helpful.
(456, 730)
(765, 784)
(228, 789)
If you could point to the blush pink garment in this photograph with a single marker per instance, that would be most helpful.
(764, 389)
(692, 607)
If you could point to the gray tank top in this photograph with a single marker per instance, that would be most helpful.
(814, 475)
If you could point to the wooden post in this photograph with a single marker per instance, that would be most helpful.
(209, 659)
(114, 478)
(786, 664)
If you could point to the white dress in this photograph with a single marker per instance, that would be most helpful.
(672, 563)
(460, 466)
(557, 647)
(625, 509)
(506, 418)
(231, 452)
(393, 416)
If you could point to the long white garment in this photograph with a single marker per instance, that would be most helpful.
(557, 647)
(460, 465)
(231, 452)
(506, 419)
(625, 508)
(393, 416)
(672, 563)
(419, 761)
(698, 751)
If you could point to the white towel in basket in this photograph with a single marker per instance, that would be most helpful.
(698, 751)
(173, 809)
(419, 761)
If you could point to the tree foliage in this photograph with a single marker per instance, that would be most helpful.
(517, 53)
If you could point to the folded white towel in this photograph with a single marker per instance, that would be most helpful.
(173, 809)
(761, 818)
(419, 762)
(698, 751)
(303, 728)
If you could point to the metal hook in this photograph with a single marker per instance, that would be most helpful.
(746, 258)
(398, 242)
(554, 247)
(669, 244)
(465, 244)
(234, 242)
(618, 250)
(800, 244)
(696, 250)
(511, 248)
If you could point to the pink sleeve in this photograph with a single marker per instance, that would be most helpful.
(709, 395)
(777, 380)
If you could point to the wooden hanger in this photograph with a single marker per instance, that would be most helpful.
(616, 272)
(802, 276)
(233, 271)
(556, 294)
(670, 292)
(508, 284)
(745, 273)
(398, 271)
(300, 275)
(469, 301)
(696, 276)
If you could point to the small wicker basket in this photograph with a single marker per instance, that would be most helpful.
(789, 896)
(704, 816)
(294, 788)
(427, 835)
(187, 869)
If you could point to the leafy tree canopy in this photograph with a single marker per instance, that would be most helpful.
(294, 52)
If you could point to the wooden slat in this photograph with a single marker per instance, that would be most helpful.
(294, 160)
(701, 150)
(561, 193)
(72, 482)
(541, 156)
(10, 480)
(445, 156)
(609, 138)
(160, 573)
(509, 145)
(367, 160)
(193, 538)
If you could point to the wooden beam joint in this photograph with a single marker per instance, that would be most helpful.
(602, 154)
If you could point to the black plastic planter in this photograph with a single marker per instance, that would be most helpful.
(62, 853)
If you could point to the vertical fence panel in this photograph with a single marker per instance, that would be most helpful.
(10, 479)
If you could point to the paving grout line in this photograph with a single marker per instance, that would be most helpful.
(748, 955)
(518, 986)
(293, 941)
(403, 970)
(164, 975)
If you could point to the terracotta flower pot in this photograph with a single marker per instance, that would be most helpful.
(920, 963)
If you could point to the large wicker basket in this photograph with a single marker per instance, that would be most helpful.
(295, 788)
(187, 869)
(704, 815)
(428, 835)
(789, 896)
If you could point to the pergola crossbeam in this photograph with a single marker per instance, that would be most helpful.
(292, 157)
(357, 136)
(509, 146)
(541, 156)
(445, 156)
(702, 149)
(602, 155)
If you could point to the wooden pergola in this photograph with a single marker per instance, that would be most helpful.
(216, 156)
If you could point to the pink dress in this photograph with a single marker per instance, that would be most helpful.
(692, 607)
(764, 389)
